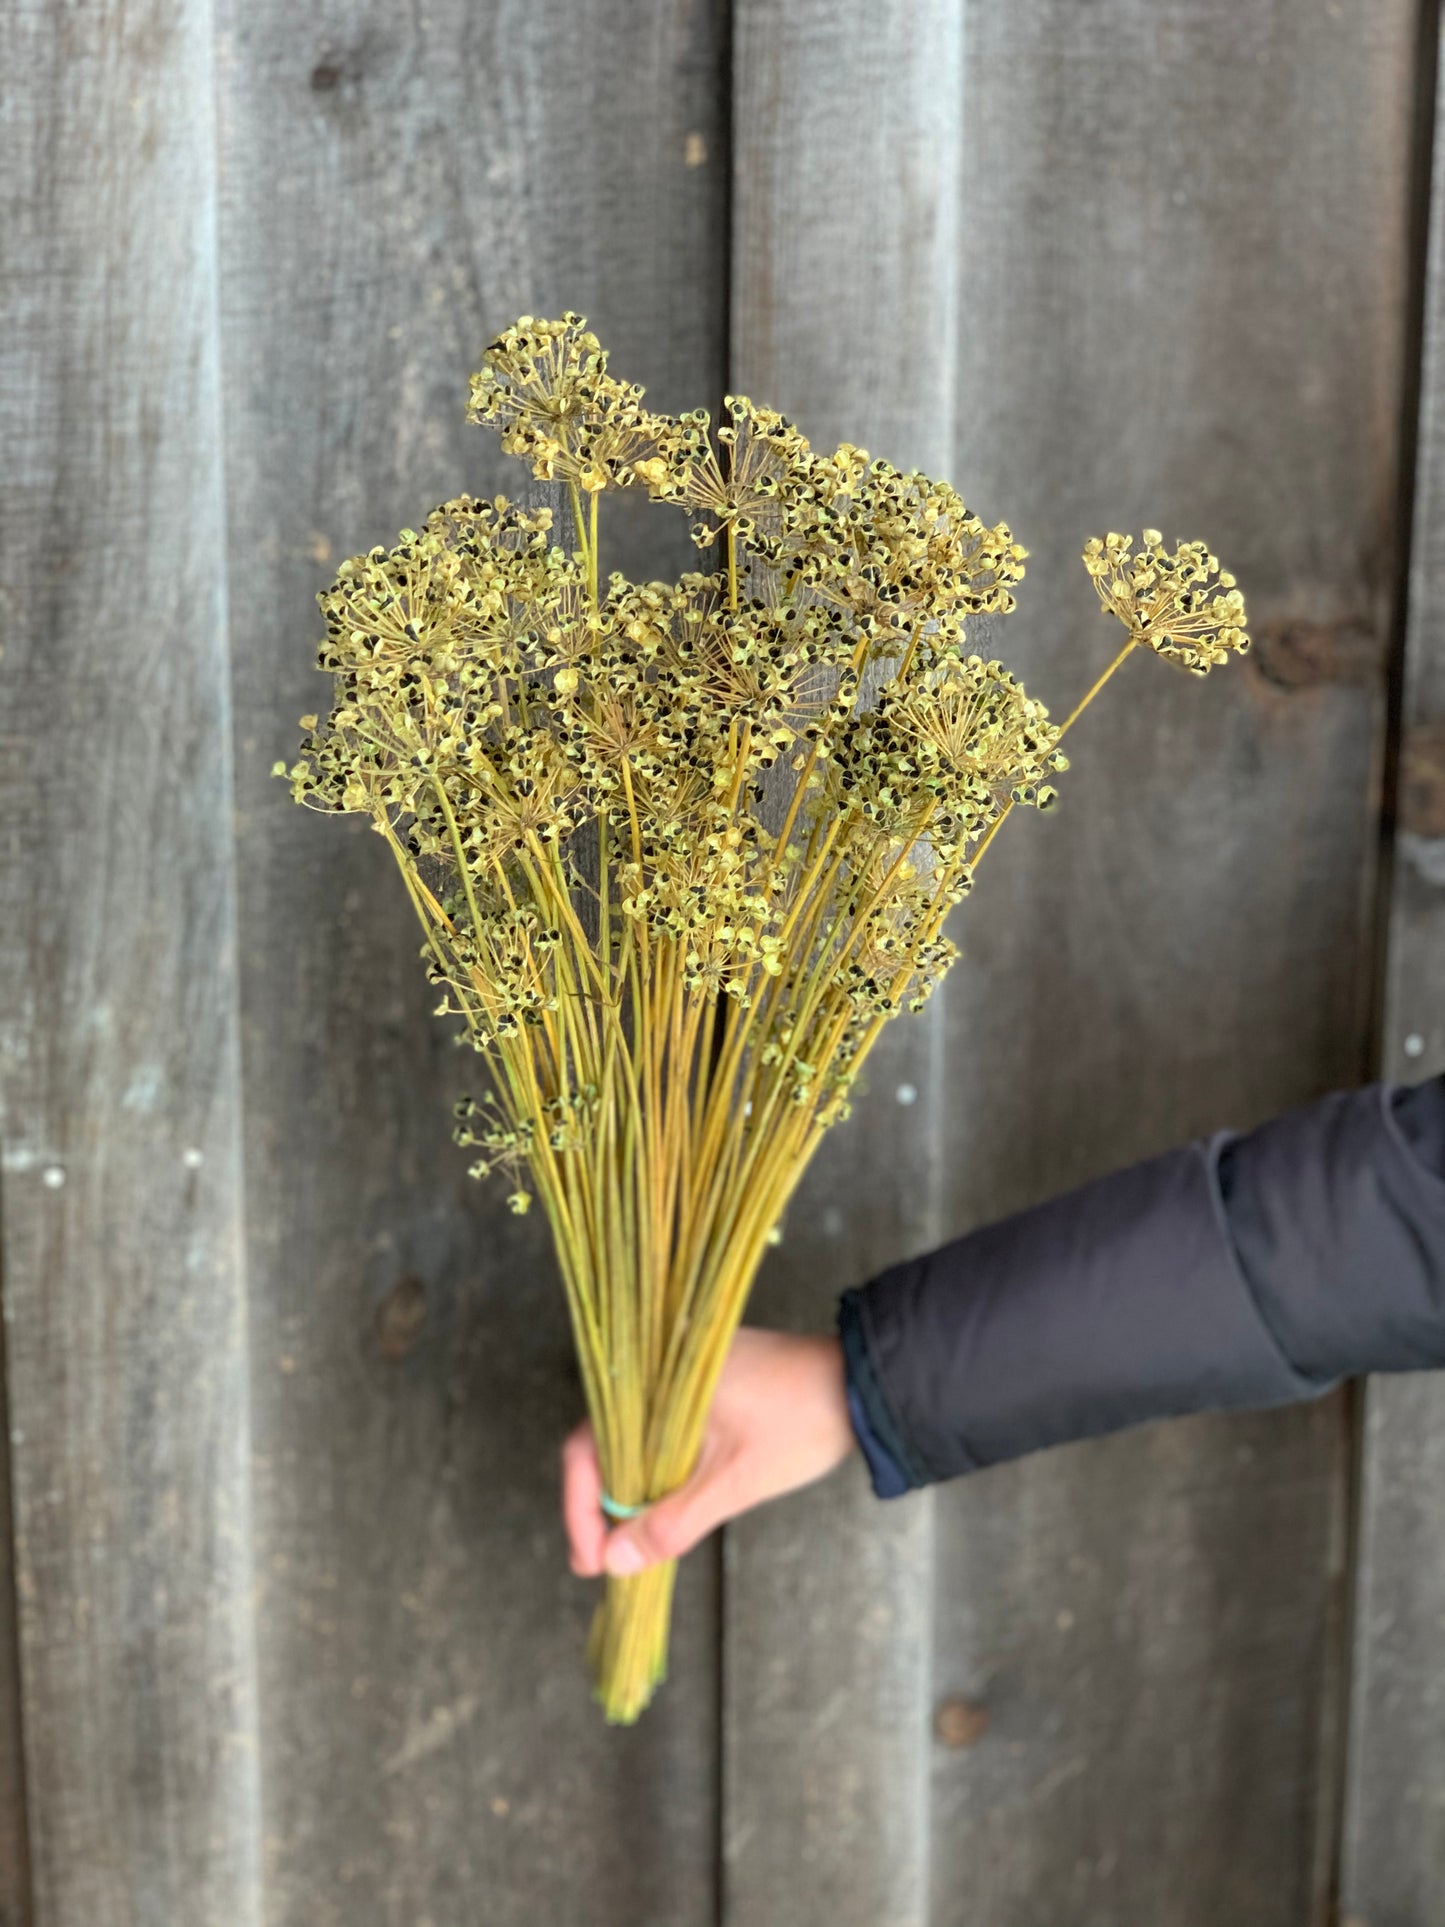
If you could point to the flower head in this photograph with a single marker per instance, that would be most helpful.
(1182, 606)
(545, 385)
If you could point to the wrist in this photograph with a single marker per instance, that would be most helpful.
(827, 1396)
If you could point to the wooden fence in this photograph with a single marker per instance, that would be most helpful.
(286, 1631)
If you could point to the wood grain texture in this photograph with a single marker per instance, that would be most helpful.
(15, 1884)
(1149, 200)
(1184, 276)
(1394, 1862)
(397, 188)
(845, 236)
(122, 1276)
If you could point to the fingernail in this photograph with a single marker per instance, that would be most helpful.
(624, 1558)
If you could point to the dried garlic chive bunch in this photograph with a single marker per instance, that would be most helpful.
(680, 850)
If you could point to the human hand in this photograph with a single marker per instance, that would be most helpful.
(779, 1420)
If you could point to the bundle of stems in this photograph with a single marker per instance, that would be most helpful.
(680, 851)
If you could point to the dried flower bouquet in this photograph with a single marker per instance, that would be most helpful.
(680, 850)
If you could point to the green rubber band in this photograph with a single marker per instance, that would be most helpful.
(615, 1509)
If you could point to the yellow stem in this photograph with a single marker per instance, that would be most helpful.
(1073, 716)
(1077, 711)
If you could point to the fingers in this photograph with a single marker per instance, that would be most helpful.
(582, 1502)
(664, 1531)
(779, 1421)
(671, 1527)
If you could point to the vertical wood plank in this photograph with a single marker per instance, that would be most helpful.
(845, 235)
(122, 1280)
(15, 1888)
(1183, 293)
(1394, 1858)
(397, 188)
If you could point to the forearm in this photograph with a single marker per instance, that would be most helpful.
(1236, 1271)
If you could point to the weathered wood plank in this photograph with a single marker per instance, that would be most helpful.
(1394, 1858)
(1150, 199)
(396, 190)
(122, 1280)
(846, 207)
(15, 1891)
(1159, 196)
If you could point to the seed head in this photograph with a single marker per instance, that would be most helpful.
(1182, 606)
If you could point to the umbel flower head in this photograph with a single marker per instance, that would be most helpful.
(680, 849)
(545, 385)
(1182, 606)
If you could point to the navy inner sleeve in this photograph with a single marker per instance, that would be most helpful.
(891, 1467)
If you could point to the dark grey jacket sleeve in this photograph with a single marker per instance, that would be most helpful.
(1239, 1270)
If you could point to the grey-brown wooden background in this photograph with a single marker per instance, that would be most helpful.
(287, 1637)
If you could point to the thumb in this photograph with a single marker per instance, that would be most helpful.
(666, 1530)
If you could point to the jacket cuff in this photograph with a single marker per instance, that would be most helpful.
(891, 1467)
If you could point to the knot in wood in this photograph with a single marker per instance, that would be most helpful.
(959, 1722)
(400, 1317)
